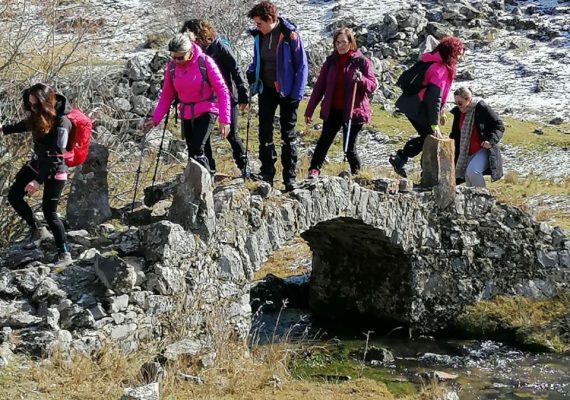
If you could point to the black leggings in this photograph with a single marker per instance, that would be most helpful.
(414, 146)
(197, 133)
(331, 126)
(52, 193)
(238, 149)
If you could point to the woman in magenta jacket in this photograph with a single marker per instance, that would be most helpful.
(200, 100)
(425, 109)
(342, 70)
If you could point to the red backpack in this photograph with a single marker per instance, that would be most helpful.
(79, 138)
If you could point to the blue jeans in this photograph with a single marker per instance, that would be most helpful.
(478, 163)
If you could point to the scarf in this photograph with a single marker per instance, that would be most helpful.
(465, 139)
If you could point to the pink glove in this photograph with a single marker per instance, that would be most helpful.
(32, 187)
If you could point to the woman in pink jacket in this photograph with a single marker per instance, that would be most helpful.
(194, 79)
(425, 108)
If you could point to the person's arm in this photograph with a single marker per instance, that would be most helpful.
(367, 79)
(230, 64)
(49, 164)
(318, 91)
(433, 95)
(301, 66)
(18, 127)
(494, 126)
(166, 97)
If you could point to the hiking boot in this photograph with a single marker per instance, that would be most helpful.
(313, 173)
(398, 163)
(246, 172)
(62, 260)
(36, 237)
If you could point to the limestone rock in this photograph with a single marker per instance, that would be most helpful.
(193, 203)
(88, 202)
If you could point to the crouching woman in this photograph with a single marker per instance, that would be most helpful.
(477, 130)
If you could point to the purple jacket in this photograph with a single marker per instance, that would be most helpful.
(292, 65)
(324, 88)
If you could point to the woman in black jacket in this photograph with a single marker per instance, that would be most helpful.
(204, 34)
(477, 131)
(50, 128)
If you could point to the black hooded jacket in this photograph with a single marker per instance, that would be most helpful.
(229, 67)
(50, 148)
(491, 128)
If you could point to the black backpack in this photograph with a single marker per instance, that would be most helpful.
(411, 79)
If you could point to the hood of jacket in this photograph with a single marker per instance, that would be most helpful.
(62, 106)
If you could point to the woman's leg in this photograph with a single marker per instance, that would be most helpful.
(52, 193)
(478, 163)
(16, 195)
(351, 154)
(414, 146)
(196, 135)
(330, 128)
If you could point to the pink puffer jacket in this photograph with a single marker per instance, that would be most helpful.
(187, 82)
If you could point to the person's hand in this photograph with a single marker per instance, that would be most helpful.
(437, 132)
(242, 106)
(443, 119)
(32, 187)
(224, 130)
(486, 145)
(148, 125)
(308, 119)
(357, 76)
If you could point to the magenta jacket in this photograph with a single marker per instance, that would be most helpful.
(425, 106)
(187, 81)
(324, 88)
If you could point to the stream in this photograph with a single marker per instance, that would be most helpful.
(481, 370)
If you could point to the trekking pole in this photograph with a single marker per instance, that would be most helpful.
(247, 131)
(138, 173)
(160, 148)
(350, 120)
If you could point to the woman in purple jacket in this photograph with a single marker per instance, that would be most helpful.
(345, 69)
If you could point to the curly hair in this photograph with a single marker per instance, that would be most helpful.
(264, 10)
(349, 36)
(42, 117)
(450, 48)
(203, 30)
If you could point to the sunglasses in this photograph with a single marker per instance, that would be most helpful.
(179, 58)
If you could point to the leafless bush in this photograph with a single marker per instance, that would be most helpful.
(228, 16)
(32, 50)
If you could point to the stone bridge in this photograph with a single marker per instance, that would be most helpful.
(189, 256)
(381, 254)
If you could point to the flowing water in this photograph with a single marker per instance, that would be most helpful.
(478, 370)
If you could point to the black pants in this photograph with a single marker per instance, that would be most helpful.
(414, 146)
(268, 102)
(52, 193)
(197, 136)
(238, 149)
(331, 126)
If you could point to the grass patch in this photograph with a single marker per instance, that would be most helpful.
(538, 324)
(517, 133)
(517, 191)
(283, 262)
